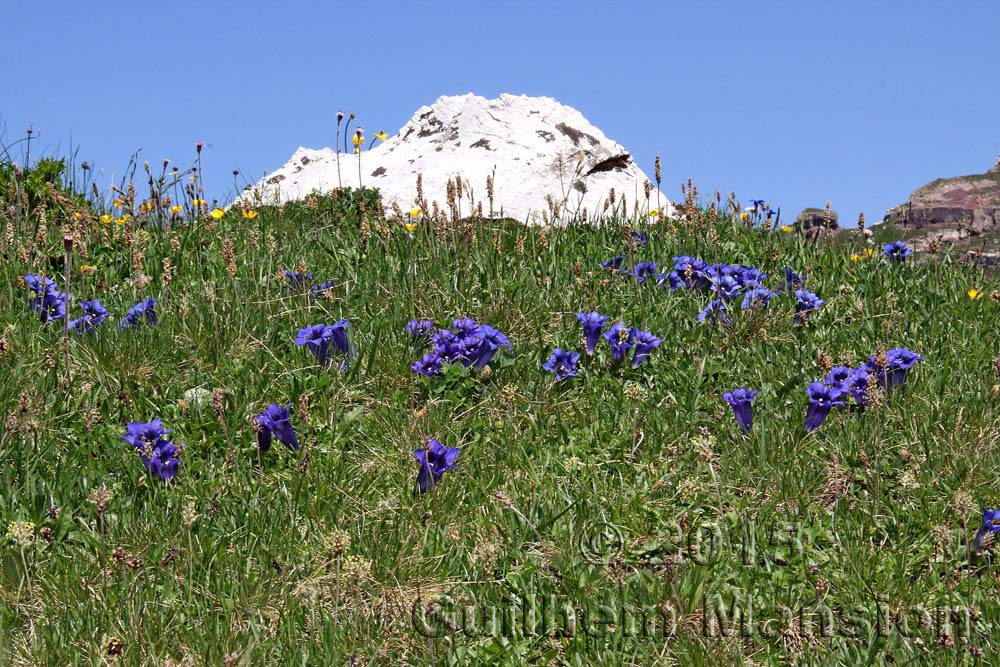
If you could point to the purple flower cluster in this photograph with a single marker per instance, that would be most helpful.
(48, 301)
(160, 456)
(299, 282)
(52, 305)
(94, 313)
(325, 339)
(434, 461)
(897, 251)
(620, 337)
(144, 311)
(296, 279)
(467, 342)
(741, 400)
(277, 422)
(843, 382)
(562, 363)
(419, 330)
(986, 536)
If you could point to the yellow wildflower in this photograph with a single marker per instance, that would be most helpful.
(869, 252)
(249, 214)
(409, 226)
(787, 228)
(117, 203)
(87, 268)
(655, 213)
(855, 258)
(198, 202)
(414, 212)
(106, 218)
(358, 140)
(744, 216)
(975, 294)
(175, 209)
(381, 136)
(217, 214)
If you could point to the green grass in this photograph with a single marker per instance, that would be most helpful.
(615, 490)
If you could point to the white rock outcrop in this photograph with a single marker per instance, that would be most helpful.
(539, 153)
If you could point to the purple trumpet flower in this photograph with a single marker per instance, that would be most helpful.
(896, 251)
(621, 339)
(275, 421)
(562, 363)
(645, 342)
(593, 322)
(434, 462)
(144, 311)
(741, 401)
(986, 535)
(159, 455)
(714, 312)
(822, 398)
(857, 383)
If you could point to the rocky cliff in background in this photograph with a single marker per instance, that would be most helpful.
(967, 205)
(541, 156)
(953, 214)
(815, 218)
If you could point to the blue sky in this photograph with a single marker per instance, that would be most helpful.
(793, 102)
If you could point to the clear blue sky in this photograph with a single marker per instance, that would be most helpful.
(793, 102)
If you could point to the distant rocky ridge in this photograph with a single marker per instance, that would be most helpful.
(968, 202)
(815, 218)
(958, 210)
(545, 160)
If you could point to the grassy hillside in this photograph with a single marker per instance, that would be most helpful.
(619, 517)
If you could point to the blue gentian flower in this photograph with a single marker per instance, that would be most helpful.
(434, 462)
(491, 341)
(757, 296)
(323, 339)
(562, 363)
(159, 455)
(673, 279)
(640, 237)
(726, 287)
(275, 421)
(48, 301)
(806, 302)
(144, 311)
(593, 322)
(319, 290)
(691, 271)
(838, 375)
(615, 263)
(715, 311)
(468, 343)
(757, 203)
(793, 280)
(741, 400)
(986, 535)
(94, 313)
(644, 270)
(428, 365)
(899, 361)
(822, 398)
(621, 339)
(896, 251)
(645, 342)
(296, 279)
(419, 330)
(857, 383)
